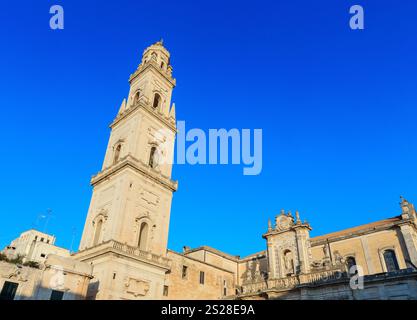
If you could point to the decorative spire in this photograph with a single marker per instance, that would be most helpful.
(289, 213)
(407, 208)
(172, 112)
(269, 225)
(282, 212)
(297, 216)
(122, 106)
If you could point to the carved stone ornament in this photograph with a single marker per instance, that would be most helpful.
(137, 287)
(17, 275)
(283, 222)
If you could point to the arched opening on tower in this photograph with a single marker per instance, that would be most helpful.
(156, 100)
(136, 98)
(143, 236)
(153, 157)
(117, 153)
(97, 234)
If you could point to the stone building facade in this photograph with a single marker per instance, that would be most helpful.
(126, 230)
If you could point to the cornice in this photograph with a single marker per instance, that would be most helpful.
(359, 233)
(151, 111)
(138, 166)
(118, 248)
(291, 228)
(152, 65)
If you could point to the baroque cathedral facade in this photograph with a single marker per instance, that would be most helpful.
(123, 252)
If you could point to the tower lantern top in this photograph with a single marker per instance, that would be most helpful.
(156, 52)
(157, 58)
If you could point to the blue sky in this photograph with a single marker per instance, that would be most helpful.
(337, 108)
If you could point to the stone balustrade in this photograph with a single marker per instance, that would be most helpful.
(134, 251)
(313, 278)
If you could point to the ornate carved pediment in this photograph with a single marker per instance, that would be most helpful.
(17, 274)
(102, 215)
(137, 287)
(284, 222)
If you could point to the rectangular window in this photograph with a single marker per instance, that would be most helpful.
(201, 277)
(184, 272)
(56, 295)
(165, 291)
(43, 255)
(224, 288)
(9, 290)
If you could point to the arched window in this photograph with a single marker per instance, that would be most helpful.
(117, 153)
(153, 157)
(156, 101)
(162, 65)
(136, 98)
(391, 261)
(143, 236)
(97, 234)
(350, 262)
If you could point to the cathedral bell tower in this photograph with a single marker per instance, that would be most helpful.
(126, 230)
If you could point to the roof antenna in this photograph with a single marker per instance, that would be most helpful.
(48, 217)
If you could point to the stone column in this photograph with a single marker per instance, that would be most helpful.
(410, 242)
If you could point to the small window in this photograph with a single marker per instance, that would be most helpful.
(391, 261)
(350, 262)
(156, 101)
(47, 241)
(201, 277)
(165, 293)
(114, 275)
(152, 158)
(97, 232)
(143, 236)
(117, 153)
(42, 239)
(9, 290)
(43, 255)
(162, 65)
(224, 288)
(57, 295)
(136, 98)
(184, 272)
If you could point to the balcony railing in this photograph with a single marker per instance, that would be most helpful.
(134, 251)
(123, 248)
(291, 282)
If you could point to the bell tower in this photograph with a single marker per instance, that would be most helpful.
(131, 202)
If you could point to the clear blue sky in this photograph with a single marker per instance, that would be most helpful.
(337, 108)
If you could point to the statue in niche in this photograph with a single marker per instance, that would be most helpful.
(288, 262)
(338, 258)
